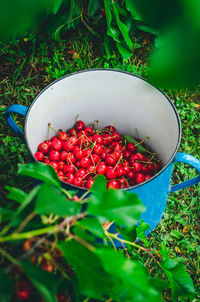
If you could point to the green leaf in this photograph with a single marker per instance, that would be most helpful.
(123, 207)
(40, 171)
(99, 184)
(6, 214)
(108, 46)
(6, 287)
(45, 283)
(111, 31)
(56, 5)
(94, 7)
(16, 194)
(141, 231)
(93, 225)
(123, 28)
(124, 51)
(139, 147)
(50, 200)
(93, 280)
(180, 282)
(130, 7)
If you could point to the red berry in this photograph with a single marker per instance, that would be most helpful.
(133, 158)
(111, 173)
(39, 156)
(91, 169)
(49, 143)
(88, 152)
(62, 136)
(47, 265)
(113, 184)
(111, 159)
(101, 168)
(22, 290)
(73, 132)
(139, 178)
(116, 136)
(110, 128)
(140, 156)
(61, 164)
(77, 181)
(60, 173)
(78, 164)
(47, 161)
(80, 125)
(68, 146)
(107, 139)
(54, 155)
(123, 183)
(103, 155)
(71, 158)
(158, 167)
(98, 148)
(147, 176)
(98, 138)
(137, 167)
(43, 147)
(95, 158)
(131, 147)
(57, 144)
(79, 153)
(116, 146)
(120, 172)
(27, 245)
(126, 154)
(54, 138)
(89, 183)
(144, 169)
(88, 131)
(85, 162)
(64, 155)
(131, 174)
(151, 167)
(54, 164)
(81, 173)
(75, 198)
(69, 168)
(69, 178)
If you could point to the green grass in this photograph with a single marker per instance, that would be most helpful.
(27, 67)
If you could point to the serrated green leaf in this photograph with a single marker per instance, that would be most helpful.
(50, 200)
(6, 287)
(93, 280)
(93, 225)
(40, 171)
(45, 283)
(123, 207)
(139, 148)
(16, 194)
(180, 282)
(123, 28)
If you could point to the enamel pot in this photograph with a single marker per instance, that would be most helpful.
(119, 98)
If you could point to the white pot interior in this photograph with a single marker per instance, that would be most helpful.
(112, 97)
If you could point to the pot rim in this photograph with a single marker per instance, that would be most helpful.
(113, 70)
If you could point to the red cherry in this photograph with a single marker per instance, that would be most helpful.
(133, 158)
(57, 144)
(80, 125)
(111, 173)
(75, 198)
(68, 146)
(151, 167)
(103, 155)
(131, 147)
(54, 155)
(54, 138)
(139, 178)
(77, 181)
(88, 131)
(98, 148)
(95, 158)
(62, 136)
(111, 159)
(110, 128)
(54, 164)
(60, 173)
(101, 168)
(117, 154)
(78, 164)
(85, 162)
(120, 172)
(107, 139)
(71, 158)
(88, 152)
(147, 176)
(81, 173)
(61, 164)
(126, 154)
(69, 178)
(79, 153)
(47, 161)
(73, 132)
(43, 147)
(144, 169)
(22, 290)
(98, 138)
(126, 169)
(39, 156)
(89, 183)
(131, 174)
(64, 155)
(116, 146)
(116, 136)
(113, 184)
(108, 150)
(49, 143)
(69, 168)
(158, 167)
(140, 156)
(137, 167)
(123, 183)
(91, 169)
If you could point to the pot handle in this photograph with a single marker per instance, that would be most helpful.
(20, 109)
(192, 161)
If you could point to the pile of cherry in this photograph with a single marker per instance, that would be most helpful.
(81, 153)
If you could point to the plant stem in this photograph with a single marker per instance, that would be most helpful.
(8, 256)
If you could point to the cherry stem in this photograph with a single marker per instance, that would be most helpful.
(142, 141)
(118, 162)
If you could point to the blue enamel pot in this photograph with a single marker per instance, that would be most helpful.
(113, 97)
